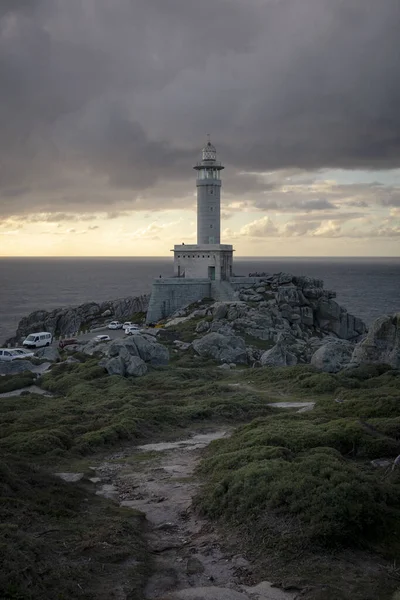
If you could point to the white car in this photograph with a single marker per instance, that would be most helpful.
(8, 354)
(114, 325)
(23, 353)
(127, 324)
(102, 338)
(132, 329)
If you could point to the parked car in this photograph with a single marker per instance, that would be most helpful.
(102, 338)
(23, 353)
(114, 325)
(67, 342)
(8, 354)
(37, 340)
(127, 324)
(131, 329)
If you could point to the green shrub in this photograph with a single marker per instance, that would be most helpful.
(9, 383)
(331, 499)
(49, 534)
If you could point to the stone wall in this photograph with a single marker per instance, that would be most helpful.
(168, 295)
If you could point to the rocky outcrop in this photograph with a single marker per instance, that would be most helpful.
(297, 304)
(292, 315)
(222, 348)
(67, 321)
(278, 356)
(126, 366)
(130, 356)
(333, 356)
(50, 354)
(15, 367)
(382, 344)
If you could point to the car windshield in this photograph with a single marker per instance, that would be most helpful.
(31, 337)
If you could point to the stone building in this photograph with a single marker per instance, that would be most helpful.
(208, 258)
(203, 269)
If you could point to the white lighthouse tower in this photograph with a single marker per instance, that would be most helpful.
(208, 258)
(208, 197)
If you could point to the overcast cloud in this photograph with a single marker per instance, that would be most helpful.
(99, 96)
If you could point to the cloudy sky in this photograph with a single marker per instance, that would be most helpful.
(104, 107)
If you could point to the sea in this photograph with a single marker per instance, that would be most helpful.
(367, 287)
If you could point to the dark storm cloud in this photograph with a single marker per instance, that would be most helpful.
(122, 94)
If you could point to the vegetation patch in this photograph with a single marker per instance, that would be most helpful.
(10, 383)
(54, 544)
(299, 487)
(91, 411)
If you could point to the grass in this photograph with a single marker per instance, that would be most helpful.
(301, 486)
(55, 544)
(9, 383)
(91, 411)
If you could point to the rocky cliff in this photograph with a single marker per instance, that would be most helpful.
(69, 320)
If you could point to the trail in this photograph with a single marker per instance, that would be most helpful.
(190, 562)
(302, 406)
(31, 389)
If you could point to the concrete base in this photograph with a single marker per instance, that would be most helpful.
(168, 295)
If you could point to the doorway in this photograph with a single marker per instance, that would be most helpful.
(211, 273)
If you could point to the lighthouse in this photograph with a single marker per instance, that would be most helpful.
(202, 270)
(208, 196)
(208, 259)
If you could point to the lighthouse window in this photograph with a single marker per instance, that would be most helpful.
(211, 191)
(211, 226)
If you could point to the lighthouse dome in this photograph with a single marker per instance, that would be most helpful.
(209, 152)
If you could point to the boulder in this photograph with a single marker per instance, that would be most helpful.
(135, 367)
(15, 367)
(202, 326)
(93, 347)
(143, 346)
(124, 346)
(115, 366)
(328, 310)
(223, 348)
(278, 356)
(125, 365)
(151, 351)
(220, 310)
(382, 343)
(332, 356)
(288, 295)
(51, 354)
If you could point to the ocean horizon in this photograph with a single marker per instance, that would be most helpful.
(366, 286)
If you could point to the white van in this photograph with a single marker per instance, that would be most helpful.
(37, 340)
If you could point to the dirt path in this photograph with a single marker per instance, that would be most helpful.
(302, 406)
(189, 560)
(31, 389)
